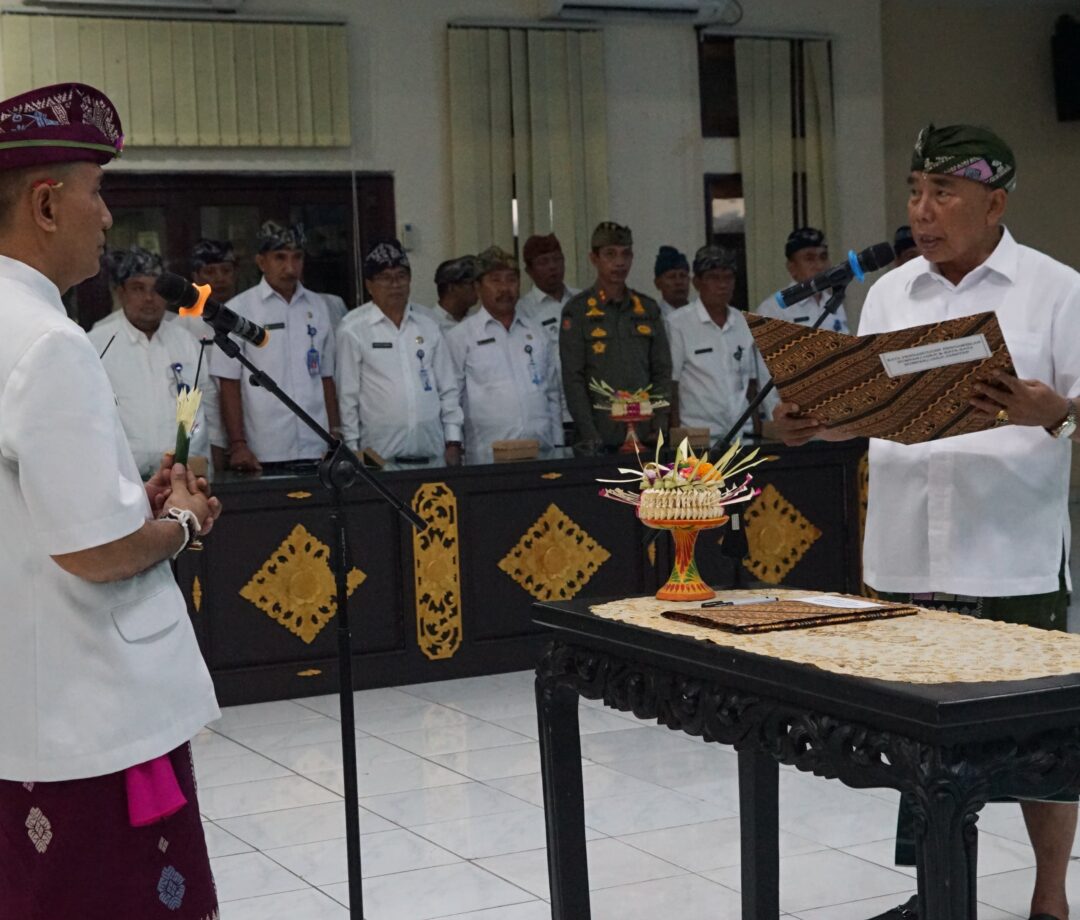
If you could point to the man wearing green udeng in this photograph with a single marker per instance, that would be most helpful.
(979, 523)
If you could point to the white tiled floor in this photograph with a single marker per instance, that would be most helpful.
(452, 820)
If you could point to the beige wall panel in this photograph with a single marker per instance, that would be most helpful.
(285, 59)
(138, 120)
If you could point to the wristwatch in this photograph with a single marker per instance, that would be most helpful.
(186, 519)
(1065, 428)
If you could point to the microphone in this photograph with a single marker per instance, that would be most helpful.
(195, 300)
(856, 266)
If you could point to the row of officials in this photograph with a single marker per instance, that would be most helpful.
(415, 384)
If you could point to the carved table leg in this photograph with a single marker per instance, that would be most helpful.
(947, 842)
(759, 826)
(564, 802)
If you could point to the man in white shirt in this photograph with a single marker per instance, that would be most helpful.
(213, 262)
(807, 255)
(985, 515)
(545, 264)
(455, 282)
(671, 275)
(505, 365)
(149, 361)
(299, 355)
(396, 382)
(101, 680)
(714, 362)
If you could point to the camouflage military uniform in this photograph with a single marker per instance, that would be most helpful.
(622, 343)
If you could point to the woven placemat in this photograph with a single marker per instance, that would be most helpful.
(932, 647)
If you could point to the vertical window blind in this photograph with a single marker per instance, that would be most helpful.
(192, 83)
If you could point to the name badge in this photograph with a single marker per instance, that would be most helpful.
(382, 344)
(703, 351)
(490, 341)
(274, 326)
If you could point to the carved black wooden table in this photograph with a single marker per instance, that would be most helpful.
(951, 747)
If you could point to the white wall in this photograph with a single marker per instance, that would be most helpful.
(657, 156)
(986, 62)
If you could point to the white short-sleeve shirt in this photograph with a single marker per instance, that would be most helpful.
(713, 366)
(146, 373)
(982, 514)
(296, 328)
(94, 678)
(396, 385)
(508, 384)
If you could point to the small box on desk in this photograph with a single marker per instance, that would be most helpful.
(699, 437)
(521, 449)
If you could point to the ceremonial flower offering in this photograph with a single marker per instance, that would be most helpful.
(625, 405)
(687, 496)
(187, 405)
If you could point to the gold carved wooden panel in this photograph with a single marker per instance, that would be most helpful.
(779, 536)
(437, 572)
(295, 586)
(555, 558)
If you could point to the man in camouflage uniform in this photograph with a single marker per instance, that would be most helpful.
(612, 334)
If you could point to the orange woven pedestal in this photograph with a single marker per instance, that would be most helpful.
(685, 582)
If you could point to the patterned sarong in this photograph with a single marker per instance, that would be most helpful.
(69, 852)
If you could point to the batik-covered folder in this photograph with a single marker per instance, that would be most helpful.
(773, 616)
(909, 386)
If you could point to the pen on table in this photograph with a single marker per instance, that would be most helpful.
(740, 601)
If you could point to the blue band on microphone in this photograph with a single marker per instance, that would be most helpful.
(779, 298)
(856, 268)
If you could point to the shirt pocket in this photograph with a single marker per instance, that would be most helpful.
(485, 366)
(1030, 353)
(148, 617)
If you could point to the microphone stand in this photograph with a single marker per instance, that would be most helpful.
(735, 546)
(339, 469)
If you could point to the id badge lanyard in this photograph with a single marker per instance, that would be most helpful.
(177, 370)
(533, 369)
(425, 377)
(313, 363)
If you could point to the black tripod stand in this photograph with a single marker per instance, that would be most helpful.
(338, 470)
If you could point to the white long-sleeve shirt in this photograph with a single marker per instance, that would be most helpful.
(145, 373)
(983, 514)
(508, 383)
(396, 385)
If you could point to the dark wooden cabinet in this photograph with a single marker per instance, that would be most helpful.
(503, 536)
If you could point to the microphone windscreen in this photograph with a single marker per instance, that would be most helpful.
(175, 290)
(875, 257)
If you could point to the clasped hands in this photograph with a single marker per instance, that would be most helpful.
(175, 486)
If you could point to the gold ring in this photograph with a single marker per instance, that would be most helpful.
(1003, 417)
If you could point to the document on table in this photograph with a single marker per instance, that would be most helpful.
(909, 386)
